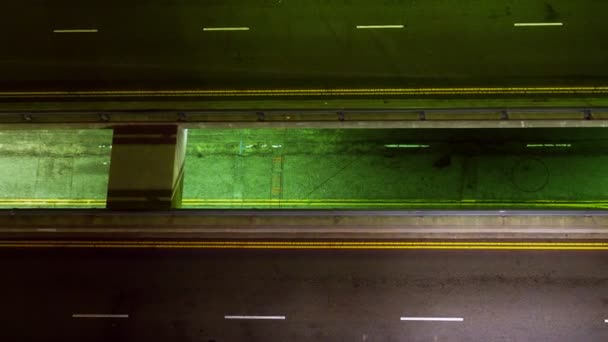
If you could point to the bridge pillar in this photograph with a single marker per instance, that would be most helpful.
(147, 167)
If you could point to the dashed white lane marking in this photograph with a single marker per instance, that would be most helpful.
(77, 31)
(380, 26)
(538, 24)
(51, 230)
(99, 316)
(254, 317)
(437, 319)
(225, 28)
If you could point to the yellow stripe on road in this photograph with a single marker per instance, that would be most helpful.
(296, 200)
(40, 202)
(321, 203)
(581, 246)
(314, 92)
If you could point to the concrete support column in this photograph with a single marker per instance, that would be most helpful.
(147, 167)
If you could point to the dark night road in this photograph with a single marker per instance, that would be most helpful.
(184, 295)
(126, 45)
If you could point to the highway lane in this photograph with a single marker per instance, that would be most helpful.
(300, 44)
(187, 295)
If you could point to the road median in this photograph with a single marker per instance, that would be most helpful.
(301, 225)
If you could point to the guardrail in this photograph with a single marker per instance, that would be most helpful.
(353, 118)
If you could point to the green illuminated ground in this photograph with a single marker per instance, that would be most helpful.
(313, 168)
(60, 168)
(302, 168)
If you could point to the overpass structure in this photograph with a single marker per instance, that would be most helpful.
(312, 170)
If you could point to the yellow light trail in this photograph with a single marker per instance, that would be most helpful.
(370, 245)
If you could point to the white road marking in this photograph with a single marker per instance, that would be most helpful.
(52, 230)
(406, 146)
(538, 24)
(380, 26)
(254, 317)
(437, 319)
(225, 28)
(99, 316)
(77, 31)
(606, 321)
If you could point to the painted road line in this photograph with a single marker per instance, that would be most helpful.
(606, 321)
(254, 317)
(538, 24)
(318, 245)
(99, 316)
(76, 31)
(331, 200)
(433, 319)
(363, 27)
(346, 203)
(225, 28)
(330, 243)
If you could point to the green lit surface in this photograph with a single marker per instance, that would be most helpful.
(314, 168)
(59, 168)
(308, 168)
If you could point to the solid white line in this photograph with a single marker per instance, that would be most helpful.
(380, 26)
(77, 31)
(254, 317)
(538, 24)
(606, 321)
(439, 319)
(99, 316)
(225, 28)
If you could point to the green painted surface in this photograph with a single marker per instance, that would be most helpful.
(58, 168)
(314, 168)
(308, 168)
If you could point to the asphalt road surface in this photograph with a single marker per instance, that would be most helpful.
(208, 44)
(164, 295)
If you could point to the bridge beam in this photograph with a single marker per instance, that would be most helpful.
(147, 167)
